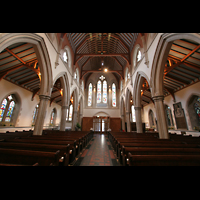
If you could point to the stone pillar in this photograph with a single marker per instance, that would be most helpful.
(161, 118)
(41, 114)
(123, 122)
(63, 117)
(128, 121)
(138, 119)
(74, 121)
(80, 118)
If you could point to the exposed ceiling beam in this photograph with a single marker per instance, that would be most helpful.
(168, 69)
(18, 58)
(120, 72)
(102, 55)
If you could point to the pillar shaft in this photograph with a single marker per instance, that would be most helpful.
(41, 114)
(138, 119)
(161, 118)
(63, 117)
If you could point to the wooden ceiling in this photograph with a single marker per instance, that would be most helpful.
(91, 49)
(182, 69)
(19, 65)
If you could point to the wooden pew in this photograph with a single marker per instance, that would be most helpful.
(164, 160)
(26, 157)
(15, 165)
(52, 142)
(64, 149)
(156, 151)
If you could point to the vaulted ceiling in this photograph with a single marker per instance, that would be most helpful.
(93, 49)
(182, 69)
(19, 64)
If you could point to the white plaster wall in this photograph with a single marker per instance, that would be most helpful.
(182, 96)
(27, 106)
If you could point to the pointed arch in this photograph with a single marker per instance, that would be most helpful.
(65, 86)
(41, 53)
(160, 58)
(137, 87)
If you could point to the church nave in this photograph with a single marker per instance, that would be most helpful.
(99, 152)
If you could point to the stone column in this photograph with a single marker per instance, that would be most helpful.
(63, 117)
(161, 118)
(41, 114)
(128, 121)
(123, 122)
(138, 119)
(80, 118)
(74, 121)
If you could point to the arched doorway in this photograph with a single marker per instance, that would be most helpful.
(101, 122)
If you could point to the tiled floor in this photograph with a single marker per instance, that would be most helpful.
(98, 153)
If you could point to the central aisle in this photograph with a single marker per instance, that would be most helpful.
(98, 153)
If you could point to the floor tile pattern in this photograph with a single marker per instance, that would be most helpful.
(98, 153)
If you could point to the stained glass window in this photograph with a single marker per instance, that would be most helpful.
(99, 91)
(70, 112)
(104, 91)
(2, 110)
(52, 117)
(35, 113)
(113, 95)
(197, 108)
(10, 110)
(90, 95)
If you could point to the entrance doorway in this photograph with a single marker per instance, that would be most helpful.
(101, 123)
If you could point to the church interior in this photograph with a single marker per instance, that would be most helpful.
(98, 95)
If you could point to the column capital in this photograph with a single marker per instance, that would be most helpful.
(65, 107)
(45, 97)
(137, 107)
(158, 98)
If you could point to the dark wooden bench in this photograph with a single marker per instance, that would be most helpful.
(164, 160)
(156, 151)
(26, 157)
(15, 165)
(52, 142)
(64, 149)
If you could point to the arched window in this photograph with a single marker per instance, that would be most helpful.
(35, 114)
(102, 88)
(104, 91)
(151, 119)
(67, 114)
(197, 108)
(53, 117)
(139, 56)
(70, 112)
(65, 56)
(10, 111)
(113, 95)
(3, 107)
(169, 116)
(7, 108)
(90, 95)
(133, 113)
(99, 91)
